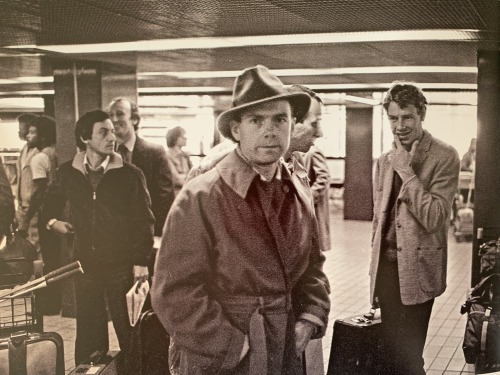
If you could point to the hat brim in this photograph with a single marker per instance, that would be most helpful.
(299, 102)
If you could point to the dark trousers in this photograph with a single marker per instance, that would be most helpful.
(404, 327)
(93, 292)
(51, 256)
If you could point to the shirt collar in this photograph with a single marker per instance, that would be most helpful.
(262, 177)
(239, 174)
(88, 167)
(130, 143)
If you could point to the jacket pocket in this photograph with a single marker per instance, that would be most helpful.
(431, 267)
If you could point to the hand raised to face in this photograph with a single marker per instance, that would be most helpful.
(401, 159)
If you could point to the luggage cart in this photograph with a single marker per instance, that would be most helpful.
(20, 314)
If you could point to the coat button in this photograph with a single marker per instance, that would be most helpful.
(400, 248)
(286, 189)
(399, 225)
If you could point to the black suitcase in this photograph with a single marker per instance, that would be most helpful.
(355, 346)
(32, 354)
(150, 343)
(98, 363)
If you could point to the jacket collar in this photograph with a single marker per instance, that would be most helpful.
(421, 151)
(115, 161)
(236, 173)
(239, 175)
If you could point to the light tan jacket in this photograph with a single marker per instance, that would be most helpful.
(422, 219)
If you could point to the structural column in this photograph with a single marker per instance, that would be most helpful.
(358, 194)
(487, 176)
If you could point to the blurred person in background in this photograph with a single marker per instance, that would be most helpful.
(43, 172)
(180, 161)
(304, 134)
(7, 210)
(150, 158)
(468, 162)
(25, 180)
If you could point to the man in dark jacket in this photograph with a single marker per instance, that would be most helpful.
(6, 203)
(150, 158)
(110, 216)
(239, 283)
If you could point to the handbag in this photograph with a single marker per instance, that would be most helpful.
(481, 343)
(16, 260)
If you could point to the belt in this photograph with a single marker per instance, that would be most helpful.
(261, 306)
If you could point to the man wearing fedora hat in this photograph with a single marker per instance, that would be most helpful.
(239, 284)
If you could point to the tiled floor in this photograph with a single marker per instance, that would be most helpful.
(347, 267)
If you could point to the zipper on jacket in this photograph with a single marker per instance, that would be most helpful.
(93, 218)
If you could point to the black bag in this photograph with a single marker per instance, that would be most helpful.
(111, 363)
(489, 253)
(32, 354)
(482, 333)
(150, 346)
(355, 346)
(16, 261)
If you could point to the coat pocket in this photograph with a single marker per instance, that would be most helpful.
(431, 267)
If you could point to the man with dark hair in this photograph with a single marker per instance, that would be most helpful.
(239, 283)
(25, 179)
(150, 158)
(413, 191)
(113, 226)
(6, 203)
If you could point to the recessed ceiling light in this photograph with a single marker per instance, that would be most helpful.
(260, 40)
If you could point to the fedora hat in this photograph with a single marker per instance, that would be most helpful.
(258, 85)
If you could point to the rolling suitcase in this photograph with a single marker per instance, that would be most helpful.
(32, 354)
(355, 346)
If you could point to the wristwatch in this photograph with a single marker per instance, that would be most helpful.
(50, 223)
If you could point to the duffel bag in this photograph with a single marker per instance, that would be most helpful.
(482, 332)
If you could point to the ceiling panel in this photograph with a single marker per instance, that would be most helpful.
(52, 22)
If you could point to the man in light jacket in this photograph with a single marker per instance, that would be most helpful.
(238, 281)
(413, 191)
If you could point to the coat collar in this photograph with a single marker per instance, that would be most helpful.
(421, 151)
(115, 161)
(239, 175)
(236, 173)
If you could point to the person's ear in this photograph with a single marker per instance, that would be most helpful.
(422, 113)
(135, 121)
(235, 129)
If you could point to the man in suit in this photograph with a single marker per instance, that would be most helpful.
(148, 157)
(413, 190)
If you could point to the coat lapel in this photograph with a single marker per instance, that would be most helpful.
(421, 151)
(387, 184)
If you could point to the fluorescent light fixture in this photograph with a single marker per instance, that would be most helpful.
(358, 99)
(316, 72)
(261, 40)
(385, 86)
(27, 92)
(336, 87)
(187, 90)
(28, 79)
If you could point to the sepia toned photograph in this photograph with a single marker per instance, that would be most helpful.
(261, 187)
